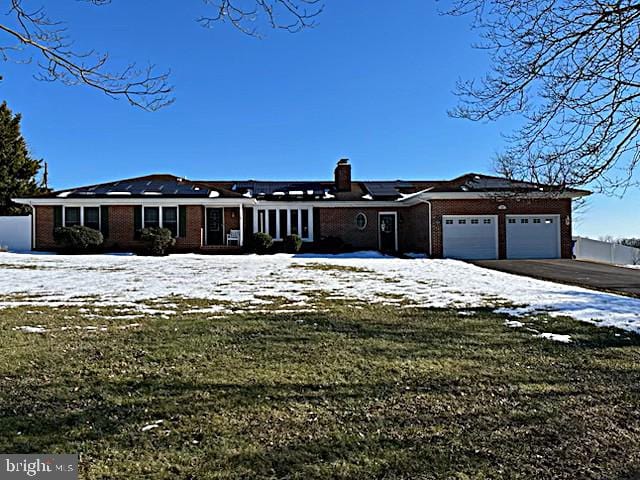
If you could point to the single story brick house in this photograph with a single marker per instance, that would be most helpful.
(470, 217)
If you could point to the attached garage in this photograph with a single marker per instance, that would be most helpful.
(470, 237)
(533, 236)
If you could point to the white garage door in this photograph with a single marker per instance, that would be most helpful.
(534, 236)
(470, 237)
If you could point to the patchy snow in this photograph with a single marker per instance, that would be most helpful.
(231, 283)
(30, 329)
(513, 324)
(556, 337)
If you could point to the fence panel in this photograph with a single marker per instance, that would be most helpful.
(15, 233)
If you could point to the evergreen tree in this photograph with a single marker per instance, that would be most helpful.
(17, 169)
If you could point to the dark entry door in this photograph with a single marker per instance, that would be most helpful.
(388, 232)
(214, 226)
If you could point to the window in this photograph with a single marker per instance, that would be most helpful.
(524, 220)
(536, 220)
(549, 220)
(151, 217)
(462, 222)
(304, 223)
(280, 222)
(284, 225)
(512, 220)
(272, 214)
(449, 222)
(487, 221)
(72, 216)
(92, 217)
(170, 219)
(361, 221)
(294, 222)
(475, 221)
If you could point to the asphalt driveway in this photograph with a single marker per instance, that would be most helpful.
(597, 276)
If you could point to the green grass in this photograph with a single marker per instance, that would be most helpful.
(372, 392)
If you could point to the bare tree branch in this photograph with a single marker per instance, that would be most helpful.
(571, 71)
(30, 34)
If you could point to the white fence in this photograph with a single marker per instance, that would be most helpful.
(15, 233)
(605, 252)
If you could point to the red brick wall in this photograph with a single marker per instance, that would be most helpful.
(413, 232)
(121, 229)
(514, 207)
(194, 237)
(44, 229)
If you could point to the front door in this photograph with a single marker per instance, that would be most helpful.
(388, 234)
(215, 227)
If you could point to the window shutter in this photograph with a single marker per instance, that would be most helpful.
(137, 221)
(104, 221)
(182, 216)
(57, 217)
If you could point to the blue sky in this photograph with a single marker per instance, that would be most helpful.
(373, 84)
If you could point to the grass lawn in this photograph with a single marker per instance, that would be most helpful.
(350, 392)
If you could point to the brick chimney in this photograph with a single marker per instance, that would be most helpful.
(342, 175)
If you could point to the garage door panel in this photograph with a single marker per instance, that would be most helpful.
(535, 236)
(470, 237)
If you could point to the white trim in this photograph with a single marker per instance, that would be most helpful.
(395, 214)
(495, 222)
(152, 201)
(241, 219)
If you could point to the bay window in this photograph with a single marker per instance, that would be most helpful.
(279, 222)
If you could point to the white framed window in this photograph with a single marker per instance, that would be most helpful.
(524, 220)
(72, 216)
(512, 220)
(279, 222)
(549, 220)
(475, 221)
(449, 222)
(536, 220)
(87, 216)
(361, 221)
(161, 217)
(487, 221)
(462, 222)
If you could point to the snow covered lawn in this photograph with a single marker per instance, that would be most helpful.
(150, 285)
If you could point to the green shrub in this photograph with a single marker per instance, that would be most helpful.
(78, 239)
(261, 242)
(158, 240)
(292, 244)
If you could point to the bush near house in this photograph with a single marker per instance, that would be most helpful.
(261, 242)
(158, 240)
(78, 239)
(292, 244)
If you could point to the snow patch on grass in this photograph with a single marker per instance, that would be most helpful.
(556, 337)
(240, 283)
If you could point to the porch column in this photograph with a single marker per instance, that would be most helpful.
(241, 226)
